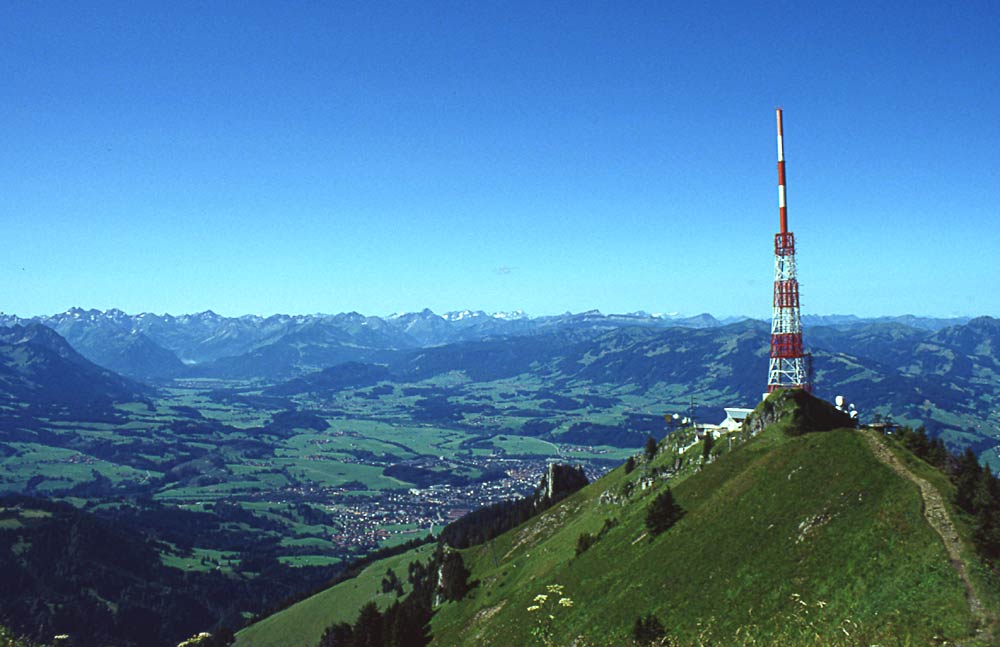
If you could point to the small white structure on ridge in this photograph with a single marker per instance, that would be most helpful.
(734, 419)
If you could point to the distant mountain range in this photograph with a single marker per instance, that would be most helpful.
(152, 347)
(918, 369)
(949, 379)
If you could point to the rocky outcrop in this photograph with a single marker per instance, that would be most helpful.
(561, 481)
(796, 412)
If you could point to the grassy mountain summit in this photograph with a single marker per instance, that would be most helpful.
(803, 532)
(795, 537)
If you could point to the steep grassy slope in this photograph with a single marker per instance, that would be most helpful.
(303, 623)
(791, 540)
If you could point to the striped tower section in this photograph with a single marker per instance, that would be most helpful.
(789, 366)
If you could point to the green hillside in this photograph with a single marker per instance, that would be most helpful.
(786, 539)
(302, 624)
(790, 538)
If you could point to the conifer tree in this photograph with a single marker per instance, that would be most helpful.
(967, 481)
(337, 635)
(650, 448)
(368, 627)
(662, 513)
(648, 630)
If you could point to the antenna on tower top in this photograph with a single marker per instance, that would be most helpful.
(789, 363)
(782, 205)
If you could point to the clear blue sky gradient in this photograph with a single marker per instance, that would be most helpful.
(325, 157)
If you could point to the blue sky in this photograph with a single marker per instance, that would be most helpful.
(317, 157)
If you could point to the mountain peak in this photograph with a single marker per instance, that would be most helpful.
(509, 316)
(463, 314)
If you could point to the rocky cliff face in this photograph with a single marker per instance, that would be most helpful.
(561, 481)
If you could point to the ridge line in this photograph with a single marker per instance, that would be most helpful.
(937, 516)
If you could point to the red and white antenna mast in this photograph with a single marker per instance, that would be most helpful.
(789, 362)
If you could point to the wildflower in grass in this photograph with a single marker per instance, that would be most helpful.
(195, 641)
(546, 606)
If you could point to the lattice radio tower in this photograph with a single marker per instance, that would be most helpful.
(790, 365)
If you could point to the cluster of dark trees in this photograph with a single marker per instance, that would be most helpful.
(931, 450)
(592, 433)
(392, 583)
(423, 477)
(351, 571)
(219, 527)
(70, 562)
(406, 622)
(977, 490)
(651, 448)
(436, 409)
(292, 421)
(59, 569)
(479, 526)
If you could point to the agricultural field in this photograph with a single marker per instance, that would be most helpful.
(316, 479)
